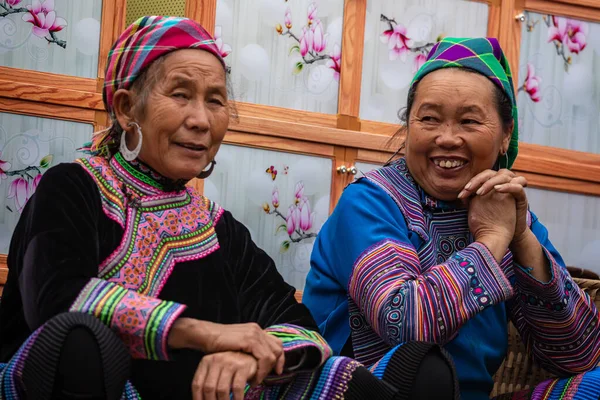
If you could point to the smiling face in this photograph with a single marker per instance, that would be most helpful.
(454, 131)
(185, 117)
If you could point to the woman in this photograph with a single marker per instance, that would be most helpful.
(117, 241)
(440, 246)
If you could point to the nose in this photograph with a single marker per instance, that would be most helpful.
(198, 118)
(448, 138)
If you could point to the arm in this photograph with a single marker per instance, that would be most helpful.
(266, 299)
(399, 299)
(558, 322)
(58, 248)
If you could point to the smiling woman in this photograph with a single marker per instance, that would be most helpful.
(150, 269)
(440, 245)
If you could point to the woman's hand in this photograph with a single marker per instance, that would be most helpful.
(492, 219)
(209, 337)
(221, 374)
(503, 181)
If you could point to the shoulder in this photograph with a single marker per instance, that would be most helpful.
(65, 177)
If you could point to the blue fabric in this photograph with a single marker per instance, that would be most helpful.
(364, 216)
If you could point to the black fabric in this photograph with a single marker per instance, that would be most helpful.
(364, 385)
(416, 367)
(62, 237)
(75, 357)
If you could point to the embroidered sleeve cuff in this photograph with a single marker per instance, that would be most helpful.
(307, 348)
(493, 276)
(549, 292)
(142, 322)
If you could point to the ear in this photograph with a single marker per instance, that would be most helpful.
(123, 107)
(506, 136)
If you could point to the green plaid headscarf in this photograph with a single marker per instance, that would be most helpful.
(482, 55)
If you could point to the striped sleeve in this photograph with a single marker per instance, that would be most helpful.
(142, 322)
(402, 303)
(312, 349)
(558, 322)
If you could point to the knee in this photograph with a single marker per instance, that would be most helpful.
(436, 377)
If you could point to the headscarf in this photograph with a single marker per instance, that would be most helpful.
(482, 55)
(142, 43)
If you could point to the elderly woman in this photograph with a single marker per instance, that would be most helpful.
(115, 258)
(440, 245)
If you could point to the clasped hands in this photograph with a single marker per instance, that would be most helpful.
(497, 210)
(236, 354)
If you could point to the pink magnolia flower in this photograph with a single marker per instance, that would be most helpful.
(292, 219)
(299, 191)
(224, 48)
(288, 18)
(34, 185)
(19, 190)
(275, 198)
(570, 32)
(13, 3)
(335, 61)
(306, 41)
(312, 12)
(419, 61)
(398, 43)
(306, 218)
(4, 166)
(43, 17)
(319, 37)
(532, 84)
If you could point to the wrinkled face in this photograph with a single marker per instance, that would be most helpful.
(186, 114)
(454, 131)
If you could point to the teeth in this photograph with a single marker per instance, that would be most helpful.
(449, 163)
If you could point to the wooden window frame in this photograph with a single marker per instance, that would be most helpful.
(343, 136)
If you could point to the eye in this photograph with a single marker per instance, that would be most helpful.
(470, 121)
(180, 95)
(217, 101)
(428, 118)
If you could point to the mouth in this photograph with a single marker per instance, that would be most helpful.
(449, 163)
(192, 146)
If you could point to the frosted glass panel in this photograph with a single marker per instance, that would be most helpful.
(142, 8)
(364, 167)
(28, 147)
(417, 24)
(282, 198)
(559, 83)
(283, 53)
(573, 223)
(65, 42)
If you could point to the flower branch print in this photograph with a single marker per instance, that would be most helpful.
(399, 44)
(312, 42)
(41, 15)
(299, 219)
(531, 85)
(26, 181)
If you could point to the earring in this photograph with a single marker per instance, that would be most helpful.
(206, 173)
(131, 155)
(506, 156)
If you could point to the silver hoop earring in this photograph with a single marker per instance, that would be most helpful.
(131, 155)
(506, 156)
(206, 173)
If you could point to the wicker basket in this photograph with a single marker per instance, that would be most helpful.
(518, 372)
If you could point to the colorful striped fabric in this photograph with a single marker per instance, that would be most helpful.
(142, 322)
(485, 56)
(399, 293)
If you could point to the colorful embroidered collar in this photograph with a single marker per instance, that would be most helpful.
(164, 222)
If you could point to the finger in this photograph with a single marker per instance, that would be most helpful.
(489, 185)
(238, 386)
(225, 382)
(516, 190)
(521, 180)
(475, 183)
(209, 386)
(199, 379)
(277, 348)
